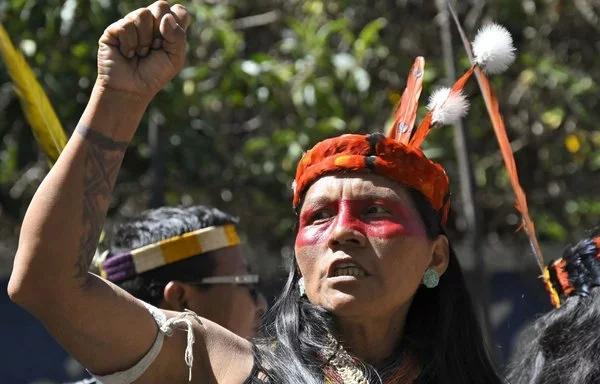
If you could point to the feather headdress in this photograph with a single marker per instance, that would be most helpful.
(399, 156)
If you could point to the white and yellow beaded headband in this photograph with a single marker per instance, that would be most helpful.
(174, 249)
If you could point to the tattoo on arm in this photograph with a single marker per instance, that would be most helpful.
(102, 161)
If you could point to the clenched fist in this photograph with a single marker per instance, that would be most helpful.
(140, 53)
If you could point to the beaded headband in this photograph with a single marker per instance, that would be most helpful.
(576, 272)
(151, 256)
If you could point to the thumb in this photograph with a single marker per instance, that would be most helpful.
(173, 35)
(181, 15)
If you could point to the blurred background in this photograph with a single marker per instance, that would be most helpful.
(266, 79)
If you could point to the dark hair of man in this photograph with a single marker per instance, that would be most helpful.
(442, 333)
(160, 224)
(563, 345)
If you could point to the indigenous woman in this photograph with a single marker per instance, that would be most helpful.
(375, 293)
(563, 345)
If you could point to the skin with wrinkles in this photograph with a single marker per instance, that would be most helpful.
(370, 221)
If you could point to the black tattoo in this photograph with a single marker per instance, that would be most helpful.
(101, 166)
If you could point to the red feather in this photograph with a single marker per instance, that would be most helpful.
(406, 112)
(423, 129)
(491, 102)
(460, 83)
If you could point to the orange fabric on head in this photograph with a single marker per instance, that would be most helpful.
(380, 155)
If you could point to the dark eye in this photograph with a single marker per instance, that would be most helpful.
(320, 216)
(376, 210)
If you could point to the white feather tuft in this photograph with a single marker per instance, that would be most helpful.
(448, 107)
(493, 48)
(438, 97)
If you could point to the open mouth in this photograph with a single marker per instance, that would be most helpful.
(348, 269)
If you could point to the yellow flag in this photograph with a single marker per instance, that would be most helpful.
(37, 108)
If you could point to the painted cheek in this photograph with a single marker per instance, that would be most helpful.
(312, 234)
(393, 227)
(401, 222)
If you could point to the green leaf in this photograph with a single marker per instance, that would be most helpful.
(255, 145)
(553, 117)
(368, 36)
(81, 50)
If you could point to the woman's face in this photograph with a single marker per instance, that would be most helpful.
(362, 247)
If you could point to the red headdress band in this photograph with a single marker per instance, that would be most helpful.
(378, 154)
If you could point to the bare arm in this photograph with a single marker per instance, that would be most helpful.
(102, 326)
(58, 239)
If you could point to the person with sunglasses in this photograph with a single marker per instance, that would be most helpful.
(215, 283)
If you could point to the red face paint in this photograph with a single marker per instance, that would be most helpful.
(375, 218)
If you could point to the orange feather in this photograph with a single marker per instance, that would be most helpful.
(462, 81)
(406, 112)
(423, 129)
(491, 102)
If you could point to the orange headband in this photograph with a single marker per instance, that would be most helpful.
(380, 155)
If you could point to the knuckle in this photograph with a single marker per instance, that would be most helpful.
(135, 15)
(160, 7)
(113, 27)
(179, 7)
(128, 27)
(124, 23)
(145, 14)
(138, 21)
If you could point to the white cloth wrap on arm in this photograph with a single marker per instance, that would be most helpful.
(165, 327)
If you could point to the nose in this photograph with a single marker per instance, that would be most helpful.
(347, 230)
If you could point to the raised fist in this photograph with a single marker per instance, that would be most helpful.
(142, 52)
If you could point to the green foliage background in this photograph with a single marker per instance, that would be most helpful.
(266, 79)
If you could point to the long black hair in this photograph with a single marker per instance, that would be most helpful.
(563, 345)
(442, 334)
